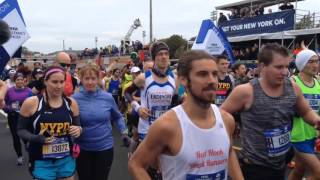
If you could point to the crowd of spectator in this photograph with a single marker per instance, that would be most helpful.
(126, 48)
(248, 53)
(245, 12)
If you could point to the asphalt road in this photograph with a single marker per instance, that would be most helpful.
(10, 171)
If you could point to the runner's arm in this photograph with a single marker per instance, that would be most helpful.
(28, 108)
(75, 112)
(137, 84)
(304, 110)
(3, 92)
(117, 117)
(75, 129)
(233, 164)
(128, 93)
(150, 148)
(236, 101)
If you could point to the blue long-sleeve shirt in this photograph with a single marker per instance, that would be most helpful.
(97, 110)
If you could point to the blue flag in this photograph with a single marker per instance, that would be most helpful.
(213, 40)
(11, 14)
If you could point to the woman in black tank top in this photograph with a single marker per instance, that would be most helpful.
(49, 122)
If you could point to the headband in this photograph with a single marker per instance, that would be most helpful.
(51, 71)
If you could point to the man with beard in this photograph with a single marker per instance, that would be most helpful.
(158, 90)
(239, 74)
(193, 140)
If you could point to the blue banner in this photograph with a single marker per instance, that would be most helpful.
(267, 23)
(213, 40)
(10, 13)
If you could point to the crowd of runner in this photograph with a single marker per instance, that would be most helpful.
(178, 123)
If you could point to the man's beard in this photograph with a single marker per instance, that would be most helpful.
(202, 102)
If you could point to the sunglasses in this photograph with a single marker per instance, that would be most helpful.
(65, 65)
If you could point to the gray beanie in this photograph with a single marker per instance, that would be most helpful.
(157, 47)
(303, 57)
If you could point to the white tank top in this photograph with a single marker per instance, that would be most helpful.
(157, 98)
(203, 154)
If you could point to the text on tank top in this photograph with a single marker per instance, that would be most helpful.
(223, 90)
(53, 122)
(157, 97)
(266, 126)
(203, 154)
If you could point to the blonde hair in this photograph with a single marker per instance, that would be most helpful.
(89, 68)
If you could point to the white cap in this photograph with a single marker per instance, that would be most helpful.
(135, 69)
(303, 57)
(12, 71)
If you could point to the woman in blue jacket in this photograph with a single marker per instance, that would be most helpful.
(97, 110)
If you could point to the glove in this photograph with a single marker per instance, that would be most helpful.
(126, 140)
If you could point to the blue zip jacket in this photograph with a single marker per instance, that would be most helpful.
(97, 110)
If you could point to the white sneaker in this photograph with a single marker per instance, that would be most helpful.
(20, 161)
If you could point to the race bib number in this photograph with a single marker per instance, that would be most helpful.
(115, 92)
(57, 149)
(278, 141)
(16, 106)
(216, 176)
(313, 100)
(156, 112)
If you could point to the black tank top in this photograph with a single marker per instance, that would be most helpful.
(53, 122)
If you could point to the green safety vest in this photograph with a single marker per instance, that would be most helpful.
(302, 131)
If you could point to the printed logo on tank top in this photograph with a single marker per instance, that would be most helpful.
(160, 101)
(59, 147)
(211, 158)
(223, 90)
(55, 129)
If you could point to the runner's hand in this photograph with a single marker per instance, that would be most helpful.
(126, 140)
(144, 113)
(75, 131)
(49, 140)
(317, 124)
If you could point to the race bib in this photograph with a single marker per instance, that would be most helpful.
(16, 106)
(220, 100)
(313, 100)
(59, 148)
(115, 92)
(278, 141)
(216, 176)
(156, 112)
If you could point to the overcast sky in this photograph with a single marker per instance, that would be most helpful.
(78, 22)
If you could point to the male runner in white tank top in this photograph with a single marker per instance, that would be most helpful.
(193, 140)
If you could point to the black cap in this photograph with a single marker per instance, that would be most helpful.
(157, 47)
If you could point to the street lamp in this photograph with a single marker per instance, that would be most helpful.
(96, 42)
(151, 22)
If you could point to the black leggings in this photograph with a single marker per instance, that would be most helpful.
(13, 123)
(94, 165)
